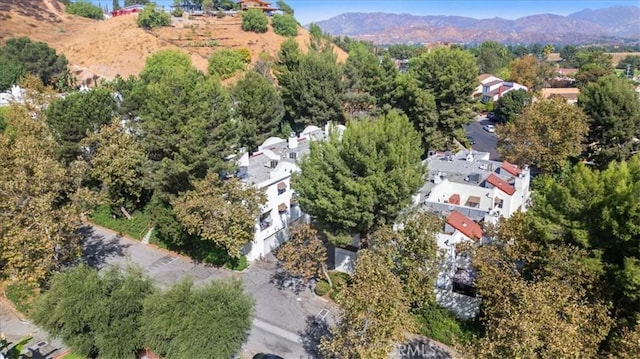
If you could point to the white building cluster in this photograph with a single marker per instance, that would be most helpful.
(270, 169)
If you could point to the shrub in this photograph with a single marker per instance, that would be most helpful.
(220, 14)
(177, 12)
(151, 17)
(85, 9)
(254, 20)
(245, 54)
(442, 325)
(225, 63)
(21, 295)
(284, 25)
(322, 287)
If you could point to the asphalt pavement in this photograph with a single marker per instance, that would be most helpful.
(485, 141)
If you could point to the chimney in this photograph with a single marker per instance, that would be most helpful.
(293, 140)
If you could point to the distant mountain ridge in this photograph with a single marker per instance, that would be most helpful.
(585, 26)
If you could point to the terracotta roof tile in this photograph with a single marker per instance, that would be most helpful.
(501, 184)
(511, 168)
(465, 225)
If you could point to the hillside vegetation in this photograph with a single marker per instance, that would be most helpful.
(118, 46)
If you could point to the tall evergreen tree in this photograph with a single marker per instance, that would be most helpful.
(614, 111)
(363, 180)
(450, 75)
(258, 107)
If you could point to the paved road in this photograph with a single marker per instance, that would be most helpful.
(281, 316)
(485, 141)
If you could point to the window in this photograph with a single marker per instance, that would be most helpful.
(282, 187)
(265, 221)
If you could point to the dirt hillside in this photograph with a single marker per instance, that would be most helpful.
(117, 46)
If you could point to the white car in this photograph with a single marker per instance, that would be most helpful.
(489, 128)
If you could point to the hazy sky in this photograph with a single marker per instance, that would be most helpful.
(315, 10)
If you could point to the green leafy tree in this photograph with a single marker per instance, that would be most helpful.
(211, 321)
(226, 62)
(255, 20)
(160, 64)
(135, 2)
(11, 71)
(631, 61)
(85, 9)
(412, 254)
(185, 127)
(93, 314)
(76, 115)
(373, 315)
(284, 25)
(568, 54)
(258, 107)
(419, 105)
(363, 74)
(363, 180)
(311, 87)
(598, 211)
(284, 7)
(304, 255)
(450, 74)
(594, 56)
(115, 5)
(38, 220)
(224, 212)
(119, 163)
(512, 104)
(614, 111)
(151, 17)
(555, 317)
(13, 350)
(546, 135)
(38, 59)
(590, 73)
(491, 57)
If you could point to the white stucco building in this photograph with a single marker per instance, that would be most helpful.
(492, 88)
(270, 169)
(468, 189)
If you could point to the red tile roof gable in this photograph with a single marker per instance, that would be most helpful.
(465, 225)
(501, 184)
(511, 168)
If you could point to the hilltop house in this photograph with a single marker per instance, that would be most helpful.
(492, 88)
(270, 169)
(256, 4)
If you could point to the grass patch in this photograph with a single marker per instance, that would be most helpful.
(73, 355)
(136, 227)
(21, 295)
(442, 325)
(338, 279)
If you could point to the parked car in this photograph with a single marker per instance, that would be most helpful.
(471, 140)
(491, 116)
(266, 356)
(489, 128)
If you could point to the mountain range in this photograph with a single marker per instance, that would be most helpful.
(617, 24)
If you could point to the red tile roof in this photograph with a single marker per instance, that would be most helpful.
(465, 225)
(501, 184)
(511, 168)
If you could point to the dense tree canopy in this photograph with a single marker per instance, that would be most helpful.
(255, 20)
(614, 127)
(364, 179)
(259, 109)
(598, 212)
(224, 212)
(491, 57)
(76, 115)
(151, 17)
(38, 59)
(536, 302)
(450, 74)
(304, 255)
(85, 9)
(93, 314)
(37, 220)
(11, 71)
(311, 86)
(211, 321)
(412, 254)
(284, 25)
(373, 312)
(546, 135)
(512, 104)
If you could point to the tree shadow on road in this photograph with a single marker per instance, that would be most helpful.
(285, 281)
(421, 348)
(315, 329)
(96, 249)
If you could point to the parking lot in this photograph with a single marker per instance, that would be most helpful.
(484, 141)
